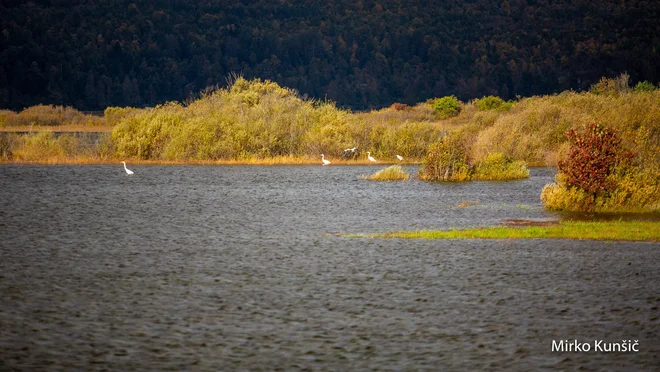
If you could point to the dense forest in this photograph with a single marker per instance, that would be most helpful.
(360, 54)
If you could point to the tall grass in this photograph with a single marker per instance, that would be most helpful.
(48, 115)
(47, 147)
(498, 167)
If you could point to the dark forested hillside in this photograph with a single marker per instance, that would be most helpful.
(361, 54)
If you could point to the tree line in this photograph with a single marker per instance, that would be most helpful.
(361, 54)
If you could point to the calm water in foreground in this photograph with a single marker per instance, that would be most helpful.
(240, 268)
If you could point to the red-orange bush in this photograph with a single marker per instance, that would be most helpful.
(592, 158)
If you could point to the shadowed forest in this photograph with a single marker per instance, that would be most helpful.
(359, 54)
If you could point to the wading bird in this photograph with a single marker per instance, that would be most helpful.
(399, 157)
(371, 158)
(128, 171)
(325, 162)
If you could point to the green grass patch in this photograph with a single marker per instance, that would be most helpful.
(602, 230)
(392, 173)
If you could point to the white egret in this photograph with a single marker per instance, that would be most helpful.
(371, 158)
(399, 157)
(128, 171)
(323, 159)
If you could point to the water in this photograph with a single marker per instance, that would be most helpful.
(241, 267)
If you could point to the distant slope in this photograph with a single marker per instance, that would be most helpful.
(361, 54)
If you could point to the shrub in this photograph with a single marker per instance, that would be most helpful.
(447, 107)
(591, 159)
(400, 107)
(446, 160)
(488, 103)
(498, 166)
(39, 147)
(600, 175)
(608, 86)
(6, 117)
(7, 145)
(645, 86)
(392, 173)
(113, 115)
(556, 196)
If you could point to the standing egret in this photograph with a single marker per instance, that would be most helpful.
(128, 171)
(399, 157)
(325, 162)
(371, 158)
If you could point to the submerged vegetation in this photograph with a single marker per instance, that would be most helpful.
(391, 173)
(602, 230)
(255, 121)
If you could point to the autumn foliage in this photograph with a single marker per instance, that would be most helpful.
(599, 174)
(591, 159)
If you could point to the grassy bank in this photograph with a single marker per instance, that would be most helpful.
(606, 230)
(261, 120)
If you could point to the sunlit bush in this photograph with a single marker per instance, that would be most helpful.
(113, 115)
(492, 103)
(391, 173)
(446, 160)
(447, 107)
(609, 86)
(645, 86)
(498, 166)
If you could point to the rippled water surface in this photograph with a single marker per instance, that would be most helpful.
(240, 268)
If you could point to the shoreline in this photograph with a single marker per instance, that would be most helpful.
(270, 161)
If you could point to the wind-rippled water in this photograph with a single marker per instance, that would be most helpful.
(239, 268)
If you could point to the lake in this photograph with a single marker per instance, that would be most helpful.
(243, 268)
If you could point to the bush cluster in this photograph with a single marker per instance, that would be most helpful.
(612, 86)
(259, 119)
(446, 160)
(598, 174)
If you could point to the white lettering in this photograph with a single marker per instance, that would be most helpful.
(557, 347)
(598, 345)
